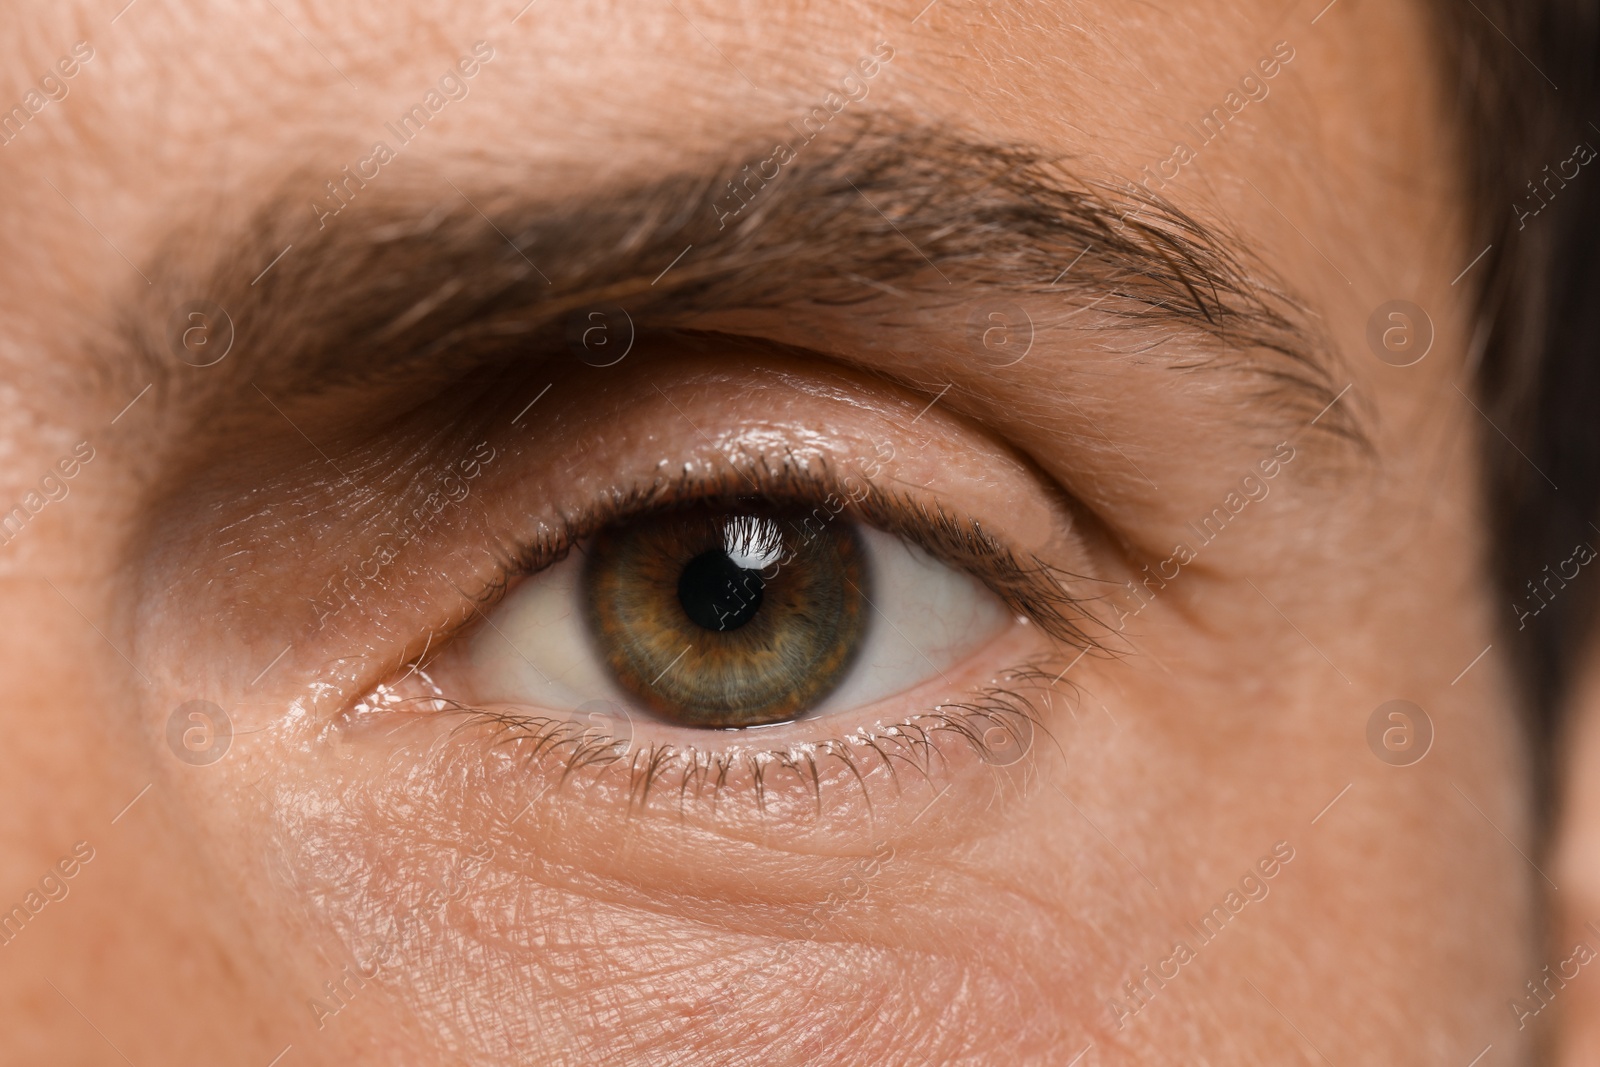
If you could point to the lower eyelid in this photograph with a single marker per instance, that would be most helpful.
(876, 767)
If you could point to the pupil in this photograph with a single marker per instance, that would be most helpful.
(717, 594)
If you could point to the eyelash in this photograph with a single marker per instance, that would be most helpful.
(911, 744)
(1033, 589)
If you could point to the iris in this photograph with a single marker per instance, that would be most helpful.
(725, 618)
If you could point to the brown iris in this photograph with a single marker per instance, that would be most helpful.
(728, 618)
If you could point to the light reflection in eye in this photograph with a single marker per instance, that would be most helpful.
(753, 542)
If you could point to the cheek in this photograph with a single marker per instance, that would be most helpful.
(544, 947)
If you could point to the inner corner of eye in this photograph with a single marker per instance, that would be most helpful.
(723, 617)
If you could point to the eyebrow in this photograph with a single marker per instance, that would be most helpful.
(419, 276)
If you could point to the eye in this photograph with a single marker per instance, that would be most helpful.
(736, 614)
(729, 617)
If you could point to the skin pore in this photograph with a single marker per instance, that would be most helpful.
(366, 880)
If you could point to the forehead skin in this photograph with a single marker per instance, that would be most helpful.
(172, 950)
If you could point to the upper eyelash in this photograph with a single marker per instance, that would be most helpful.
(1034, 588)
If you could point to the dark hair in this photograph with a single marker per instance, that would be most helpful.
(1525, 84)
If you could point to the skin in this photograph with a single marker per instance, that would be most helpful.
(1576, 868)
(1004, 906)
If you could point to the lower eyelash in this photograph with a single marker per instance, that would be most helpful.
(567, 749)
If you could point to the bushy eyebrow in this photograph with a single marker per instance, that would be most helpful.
(420, 275)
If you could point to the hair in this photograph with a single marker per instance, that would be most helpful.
(1526, 92)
